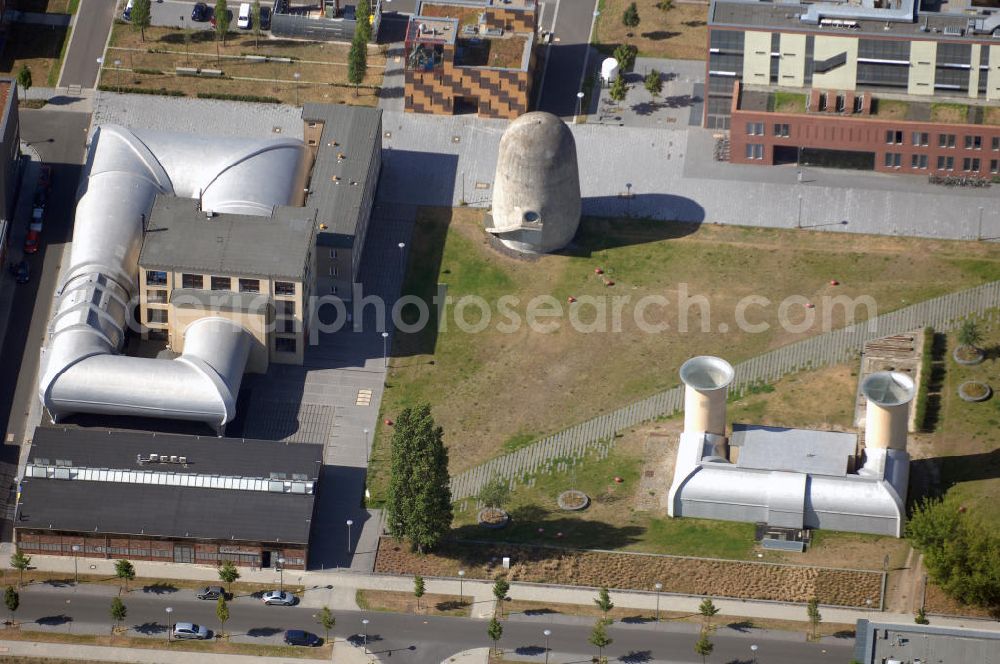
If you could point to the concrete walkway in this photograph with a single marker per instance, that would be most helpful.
(343, 653)
(346, 583)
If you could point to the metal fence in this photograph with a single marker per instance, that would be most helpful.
(842, 345)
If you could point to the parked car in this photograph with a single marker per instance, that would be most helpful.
(31, 242)
(229, 13)
(265, 18)
(37, 219)
(279, 597)
(298, 637)
(127, 13)
(45, 176)
(200, 12)
(186, 630)
(21, 272)
(211, 592)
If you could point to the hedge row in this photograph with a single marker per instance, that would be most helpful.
(163, 92)
(229, 97)
(926, 360)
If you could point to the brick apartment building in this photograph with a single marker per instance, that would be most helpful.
(471, 56)
(888, 87)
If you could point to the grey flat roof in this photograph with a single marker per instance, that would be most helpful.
(795, 450)
(354, 132)
(910, 643)
(207, 455)
(163, 511)
(186, 298)
(179, 237)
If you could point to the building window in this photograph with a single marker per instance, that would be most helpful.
(333, 254)
(995, 143)
(918, 161)
(755, 128)
(781, 130)
(946, 163)
(222, 283)
(156, 315)
(973, 142)
(283, 345)
(333, 271)
(192, 281)
(286, 325)
(994, 165)
(970, 164)
(755, 151)
(156, 296)
(284, 288)
(921, 138)
(946, 140)
(893, 159)
(893, 137)
(286, 307)
(249, 285)
(156, 278)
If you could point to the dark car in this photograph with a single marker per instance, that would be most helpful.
(298, 637)
(211, 592)
(21, 272)
(200, 12)
(31, 242)
(265, 18)
(45, 176)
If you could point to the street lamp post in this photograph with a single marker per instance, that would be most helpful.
(118, 74)
(402, 246)
(461, 594)
(979, 235)
(753, 649)
(579, 107)
(297, 76)
(547, 634)
(169, 610)
(281, 574)
(659, 587)
(798, 220)
(368, 450)
(76, 569)
(364, 622)
(385, 349)
(349, 524)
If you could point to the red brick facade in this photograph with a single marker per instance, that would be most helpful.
(244, 554)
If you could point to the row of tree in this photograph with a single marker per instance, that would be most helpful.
(357, 57)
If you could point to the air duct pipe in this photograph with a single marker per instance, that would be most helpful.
(887, 415)
(705, 379)
(80, 370)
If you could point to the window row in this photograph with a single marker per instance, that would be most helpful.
(197, 282)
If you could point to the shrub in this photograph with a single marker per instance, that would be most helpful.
(163, 92)
(625, 55)
(920, 408)
(228, 97)
(150, 72)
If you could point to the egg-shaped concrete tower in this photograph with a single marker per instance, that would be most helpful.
(536, 191)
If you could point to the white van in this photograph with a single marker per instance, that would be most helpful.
(243, 22)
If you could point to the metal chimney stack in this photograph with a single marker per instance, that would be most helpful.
(887, 416)
(706, 379)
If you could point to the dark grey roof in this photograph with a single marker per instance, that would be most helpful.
(206, 455)
(796, 450)
(187, 298)
(179, 237)
(356, 133)
(164, 511)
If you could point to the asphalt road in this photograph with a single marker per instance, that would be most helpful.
(410, 638)
(90, 34)
(566, 57)
(59, 138)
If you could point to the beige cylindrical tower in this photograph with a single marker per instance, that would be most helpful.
(706, 379)
(887, 415)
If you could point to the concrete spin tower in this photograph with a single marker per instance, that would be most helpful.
(536, 190)
(887, 417)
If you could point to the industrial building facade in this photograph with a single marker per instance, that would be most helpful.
(888, 88)
(471, 56)
(185, 499)
(10, 139)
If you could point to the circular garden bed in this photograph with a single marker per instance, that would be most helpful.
(968, 355)
(493, 517)
(973, 390)
(573, 500)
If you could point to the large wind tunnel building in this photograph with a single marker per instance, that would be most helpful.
(792, 478)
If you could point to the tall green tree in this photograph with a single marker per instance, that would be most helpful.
(327, 621)
(222, 613)
(118, 613)
(603, 601)
(142, 16)
(11, 600)
(125, 571)
(653, 82)
(618, 89)
(494, 493)
(969, 334)
(357, 63)
(500, 588)
(625, 55)
(24, 79)
(599, 639)
(363, 20)
(255, 23)
(418, 589)
(630, 18)
(20, 562)
(708, 610)
(704, 647)
(228, 574)
(812, 610)
(495, 631)
(419, 497)
(221, 14)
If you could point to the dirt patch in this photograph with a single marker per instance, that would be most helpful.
(37, 46)
(400, 602)
(717, 578)
(680, 32)
(939, 603)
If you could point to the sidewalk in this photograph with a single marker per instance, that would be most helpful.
(346, 583)
(343, 653)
